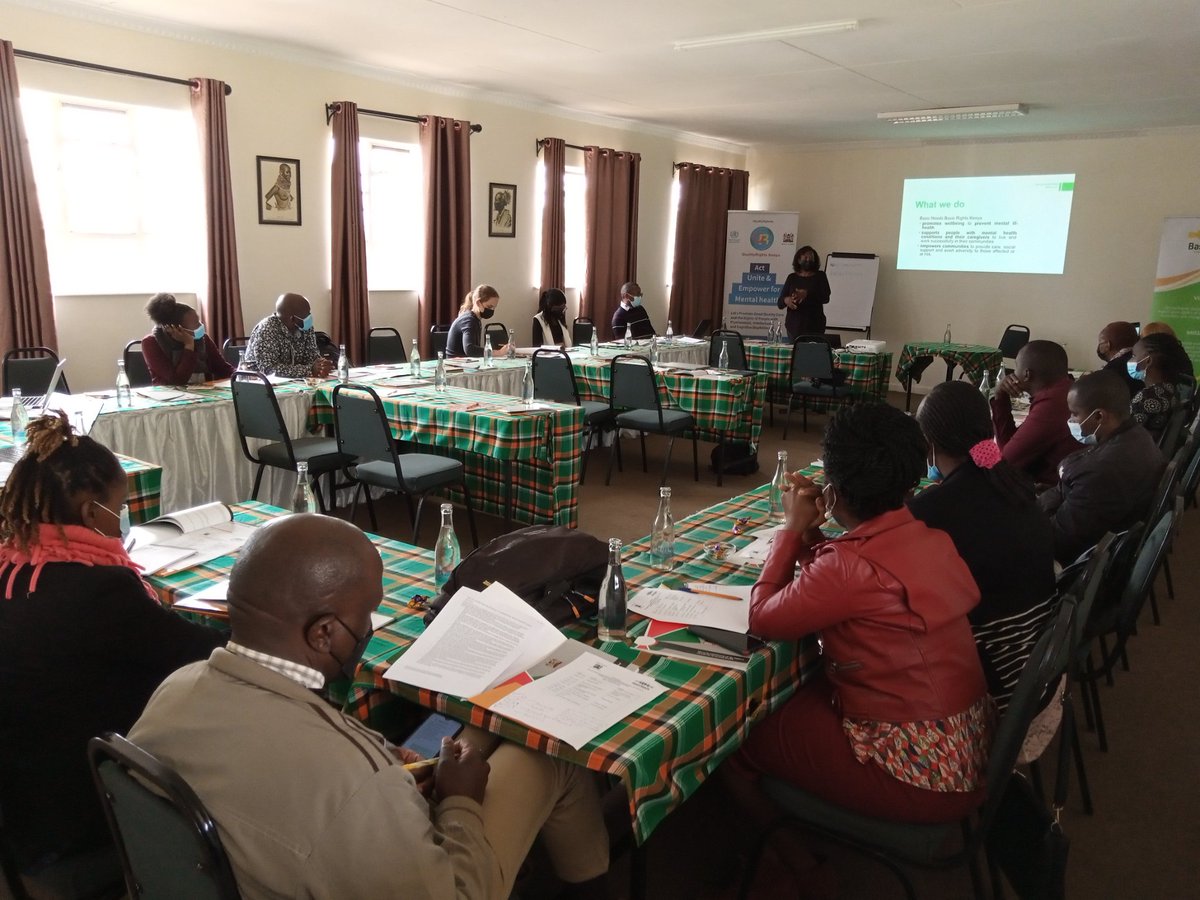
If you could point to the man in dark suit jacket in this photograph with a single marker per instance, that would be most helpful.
(1114, 347)
(1109, 485)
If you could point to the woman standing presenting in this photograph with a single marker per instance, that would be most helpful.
(804, 295)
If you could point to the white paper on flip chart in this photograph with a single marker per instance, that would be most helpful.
(668, 605)
(581, 700)
(478, 640)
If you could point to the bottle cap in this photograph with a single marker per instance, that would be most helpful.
(664, 492)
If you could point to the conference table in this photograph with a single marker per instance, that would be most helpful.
(660, 754)
(866, 373)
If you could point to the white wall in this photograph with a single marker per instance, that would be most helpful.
(277, 109)
(849, 201)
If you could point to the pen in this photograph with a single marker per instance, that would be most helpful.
(689, 590)
(422, 764)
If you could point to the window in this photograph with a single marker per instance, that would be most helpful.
(672, 230)
(575, 229)
(121, 195)
(392, 217)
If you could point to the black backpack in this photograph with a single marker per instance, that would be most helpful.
(556, 570)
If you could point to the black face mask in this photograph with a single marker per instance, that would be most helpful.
(559, 312)
(808, 265)
(349, 665)
(487, 313)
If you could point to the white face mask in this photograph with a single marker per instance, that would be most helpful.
(1076, 429)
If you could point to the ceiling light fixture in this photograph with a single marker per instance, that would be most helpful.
(774, 34)
(951, 113)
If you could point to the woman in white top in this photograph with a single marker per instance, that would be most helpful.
(550, 323)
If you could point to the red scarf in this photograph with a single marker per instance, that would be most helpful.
(65, 544)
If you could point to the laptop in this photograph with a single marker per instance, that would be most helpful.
(40, 401)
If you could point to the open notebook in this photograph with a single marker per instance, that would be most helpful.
(187, 538)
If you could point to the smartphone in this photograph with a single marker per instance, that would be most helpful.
(744, 644)
(427, 739)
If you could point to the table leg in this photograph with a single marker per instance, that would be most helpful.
(508, 507)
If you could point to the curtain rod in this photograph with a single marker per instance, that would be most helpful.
(541, 141)
(331, 108)
(80, 64)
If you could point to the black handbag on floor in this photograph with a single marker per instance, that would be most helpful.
(1027, 842)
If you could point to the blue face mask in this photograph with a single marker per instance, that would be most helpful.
(199, 332)
(932, 472)
(1076, 429)
(122, 517)
(637, 301)
(306, 324)
(1134, 372)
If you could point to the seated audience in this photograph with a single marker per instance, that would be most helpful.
(171, 350)
(1040, 444)
(899, 726)
(84, 641)
(989, 509)
(1113, 346)
(284, 343)
(466, 332)
(631, 315)
(1161, 365)
(550, 323)
(1109, 485)
(310, 802)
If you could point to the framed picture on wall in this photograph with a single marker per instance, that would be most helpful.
(278, 190)
(502, 210)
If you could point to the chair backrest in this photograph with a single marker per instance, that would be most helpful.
(701, 330)
(581, 330)
(232, 347)
(554, 377)
(632, 384)
(135, 365)
(167, 841)
(1087, 588)
(1014, 338)
(811, 359)
(735, 347)
(257, 412)
(361, 425)
(1168, 441)
(1191, 473)
(30, 369)
(384, 345)
(438, 335)
(833, 340)
(1144, 570)
(497, 333)
(1164, 494)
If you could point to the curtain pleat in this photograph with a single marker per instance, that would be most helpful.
(348, 292)
(611, 207)
(26, 301)
(554, 216)
(706, 194)
(446, 157)
(222, 299)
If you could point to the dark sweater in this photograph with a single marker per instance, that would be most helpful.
(636, 319)
(466, 336)
(175, 367)
(809, 315)
(78, 657)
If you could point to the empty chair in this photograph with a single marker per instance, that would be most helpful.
(135, 365)
(438, 335)
(581, 331)
(734, 346)
(633, 389)
(258, 417)
(701, 330)
(554, 379)
(384, 347)
(30, 369)
(833, 340)
(496, 333)
(233, 347)
(364, 435)
(167, 841)
(812, 375)
(1014, 338)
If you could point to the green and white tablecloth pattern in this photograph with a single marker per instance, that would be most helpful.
(866, 373)
(973, 358)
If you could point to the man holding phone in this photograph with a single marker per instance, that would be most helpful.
(310, 802)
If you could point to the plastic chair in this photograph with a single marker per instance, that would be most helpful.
(438, 335)
(1164, 499)
(30, 369)
(258, 416)
(364, 435)
(497, 333)
(168, 843)
(894, 843)
(581, 331)
(812, 375)
(554, 379)
(633, 388)
(1014, 338)
(135, 365)
(232, 347)
(1168, 441)
(735, 348)
(385, 346)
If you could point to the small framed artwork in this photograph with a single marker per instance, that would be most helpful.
(502, 210)
(278, 190)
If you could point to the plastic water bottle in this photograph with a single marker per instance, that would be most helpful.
(653, 350)
(19, 420)
(414, 360)
(343, 365)
(439, 374)
(723, 359)
(446, 552)
(487, 353)
(985, 386)
(779, 486)
(946, 336)
(302, 499)
(512, 344)
(610, 618)
(670, 335)
(527, 385)
(124, 392)
(595, 342)
(662, 534)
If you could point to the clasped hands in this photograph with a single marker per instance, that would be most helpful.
(795, 298)
(804, 506)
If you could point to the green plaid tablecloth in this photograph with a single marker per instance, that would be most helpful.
(973, 358)
(523, 465)
(866, 373)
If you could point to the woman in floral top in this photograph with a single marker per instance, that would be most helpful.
(899, 726)
(1160, 361)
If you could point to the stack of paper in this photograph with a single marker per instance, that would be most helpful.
(715, 605)
(187, 538)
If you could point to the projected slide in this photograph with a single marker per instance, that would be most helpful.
(1005, 223)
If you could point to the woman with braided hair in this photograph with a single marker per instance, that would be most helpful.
(899, 726)
(83, 644)
(1160, 362)
(989, 509)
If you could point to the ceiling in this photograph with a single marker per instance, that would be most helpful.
(1082, 67)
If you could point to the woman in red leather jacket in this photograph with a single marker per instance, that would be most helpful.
(899, 726)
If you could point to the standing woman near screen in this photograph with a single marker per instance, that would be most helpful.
(805, 294)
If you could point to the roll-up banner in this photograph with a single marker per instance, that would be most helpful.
(1177, 283)
(759, 247)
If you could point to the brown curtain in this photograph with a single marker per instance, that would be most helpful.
(348, 294)
(698, 276)
(554, 215)
(26, 303)
(611, 207)
(446, 156)
(222, 301)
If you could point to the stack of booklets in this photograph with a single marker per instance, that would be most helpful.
(187, 538)
(697, 622)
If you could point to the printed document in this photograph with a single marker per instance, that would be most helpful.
(689, 608)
